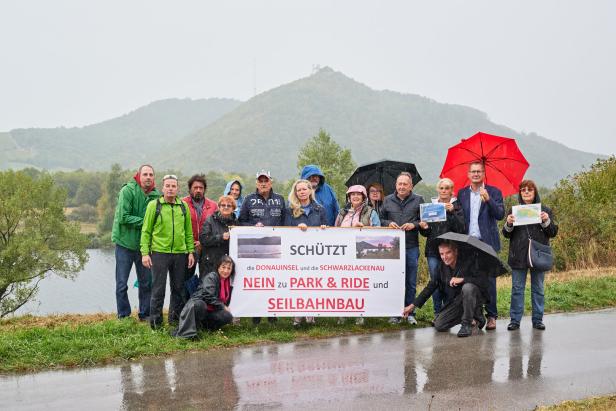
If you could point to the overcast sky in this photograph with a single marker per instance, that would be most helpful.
(542, 66)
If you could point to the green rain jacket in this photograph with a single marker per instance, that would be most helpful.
(172, 233)
(129, 213)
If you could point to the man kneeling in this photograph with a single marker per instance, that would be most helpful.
(464, 291)
(208, 307)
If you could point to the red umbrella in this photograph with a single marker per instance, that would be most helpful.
(504, 163)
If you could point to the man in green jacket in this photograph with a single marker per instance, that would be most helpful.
(126, 234)
(167, 246)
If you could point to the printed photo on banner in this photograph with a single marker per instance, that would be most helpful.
(377, 247)
(432, 212)
(527, 214)
(259, 246)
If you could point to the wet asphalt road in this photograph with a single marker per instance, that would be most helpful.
(420, 369)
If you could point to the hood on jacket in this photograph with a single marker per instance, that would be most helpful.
(313, 170)
(228, 187)
(137, 178)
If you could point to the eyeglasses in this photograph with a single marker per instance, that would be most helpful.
(375, 191)
(170, 177)
(527, 190)
(225, 206)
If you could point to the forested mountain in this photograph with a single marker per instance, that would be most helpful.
(128, 140)
(267, 131)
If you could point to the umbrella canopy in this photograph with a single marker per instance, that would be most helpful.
(485, 255)
(504, 163)
(383, 172)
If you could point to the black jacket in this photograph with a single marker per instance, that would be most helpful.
(465, 268)
(400, 212)
(518, 236)
(209, 291)
(214, 246)
(256, 209)
(454, 223)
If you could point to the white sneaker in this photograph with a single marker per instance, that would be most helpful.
(411, 320)
(341, 320)
(394, 320)
(359, 321)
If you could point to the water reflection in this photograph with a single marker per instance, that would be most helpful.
(337, 370)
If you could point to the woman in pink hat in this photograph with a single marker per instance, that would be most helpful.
(357, 213)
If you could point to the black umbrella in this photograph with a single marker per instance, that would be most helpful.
(487, 258)
(383, 172)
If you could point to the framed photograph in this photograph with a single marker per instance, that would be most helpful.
(527, 214)
(432, 212)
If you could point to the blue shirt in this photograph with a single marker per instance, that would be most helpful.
(473, 225)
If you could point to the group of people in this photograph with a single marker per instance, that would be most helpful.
(162, 235)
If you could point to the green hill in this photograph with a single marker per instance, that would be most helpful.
(128, 140)
(267, 131)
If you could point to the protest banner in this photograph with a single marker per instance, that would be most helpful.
(332, 272)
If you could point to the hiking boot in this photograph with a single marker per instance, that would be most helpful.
(513, 326)
(359, 321)
(481, 322)
(491, 323)
(465, 331)
(539, 325)
(272, 320)
(394, 320)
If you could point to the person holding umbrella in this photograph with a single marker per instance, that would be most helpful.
(463, 288)
(518, 257)
(400, 211)
(483, 208)
(454, 222)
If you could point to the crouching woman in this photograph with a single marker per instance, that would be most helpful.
(209, 306)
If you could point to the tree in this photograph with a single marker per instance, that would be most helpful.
(109, 199)
(35, 238)
(336, 163)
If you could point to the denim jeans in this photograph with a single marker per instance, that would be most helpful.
(518, 279)
(125, 259)
(437, 297)
(410, 280)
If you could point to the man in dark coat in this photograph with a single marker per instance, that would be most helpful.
(400, 210)
(483, 207)
(464, 289)
(263, 208)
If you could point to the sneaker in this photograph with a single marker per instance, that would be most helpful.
(465, 331)
(359, 321)
(341, 320)
(310, 320)
(411, 320)
(539, 325)
(297, 322)
(394, 320)
(513, 326)
(491, 323)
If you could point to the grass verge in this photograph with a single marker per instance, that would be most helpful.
(35, 343)
(595, 404)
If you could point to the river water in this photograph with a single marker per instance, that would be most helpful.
(93, 290)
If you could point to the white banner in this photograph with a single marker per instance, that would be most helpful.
(332, 272)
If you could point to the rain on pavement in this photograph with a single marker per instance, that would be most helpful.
(419, 368)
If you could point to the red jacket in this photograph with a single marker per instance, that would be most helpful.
(209, 208)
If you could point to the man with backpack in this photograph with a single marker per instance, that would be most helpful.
(167, 246)
(126, 234)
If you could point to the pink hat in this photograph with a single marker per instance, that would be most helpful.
(357, 189)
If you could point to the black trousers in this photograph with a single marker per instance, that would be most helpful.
(462, 310)
(175, 265)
